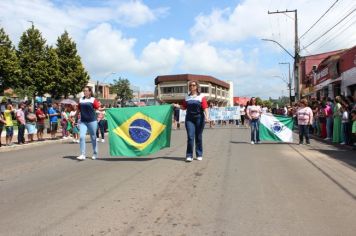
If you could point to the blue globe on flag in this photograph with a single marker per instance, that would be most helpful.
(140, 130)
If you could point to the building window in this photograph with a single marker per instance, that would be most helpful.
(213, 90)
(219, 92)
(175, 89)
(204, 89)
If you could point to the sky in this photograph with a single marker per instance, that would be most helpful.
(141, 39)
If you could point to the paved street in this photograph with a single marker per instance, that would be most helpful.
(238, 189)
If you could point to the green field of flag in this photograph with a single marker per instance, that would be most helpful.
(276, 128)
(139, 131)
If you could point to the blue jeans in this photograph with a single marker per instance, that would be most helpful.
(304, 132)
(255, 130)
(91, 127)
(329, 127)
(195, 127)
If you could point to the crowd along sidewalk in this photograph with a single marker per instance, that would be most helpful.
(16, 146)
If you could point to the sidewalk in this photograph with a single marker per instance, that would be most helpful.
(15, 146)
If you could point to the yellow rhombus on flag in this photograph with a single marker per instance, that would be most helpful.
(139, 131)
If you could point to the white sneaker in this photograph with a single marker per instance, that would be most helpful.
(103, 140)
(97, 139)
(199, 158)
(343, 143)
(189, 159)
(94, 157)
(252, 142)
(81, 157)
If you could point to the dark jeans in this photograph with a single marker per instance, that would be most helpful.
(195, 127)
(243, 120)
(21, 134)
(346, 132)
(255, 130)
(304, 132)
(101, 128)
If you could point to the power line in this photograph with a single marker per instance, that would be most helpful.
(338, 33)
(319, 19)
(330, 29)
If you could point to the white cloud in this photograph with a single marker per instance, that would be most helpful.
(201, 57)
(52, 20)
(249, 19)
(135, 13)
(105, 49)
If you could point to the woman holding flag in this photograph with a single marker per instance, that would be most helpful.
(253, 112)
(197, 114)
(88, 122)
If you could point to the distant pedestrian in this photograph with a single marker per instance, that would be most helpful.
(345, 124)
(21, 122)
(305, 119)
(197, 114)
(9, 124)
(88, 122)
(41, 117)
(2, 124)
(329, 119)
(353, 118)
(30, 118)
(73, 118)
(101, 123)
(337, 138)
(64, 122)
(53, 119)
(253, 112)
(242, 114)
(176, 124)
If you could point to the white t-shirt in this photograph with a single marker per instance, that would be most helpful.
(264, 110)
(242, 111)
(254, 111)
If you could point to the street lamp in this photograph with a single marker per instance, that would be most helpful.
(271, 40)
(290, 81)
(295, 58)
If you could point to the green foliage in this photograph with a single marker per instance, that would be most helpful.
(72, 75)
(121, 88)
(32, 54)
(10, 71)
(267, 103)
(259, 101)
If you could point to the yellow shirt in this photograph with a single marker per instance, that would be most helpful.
(8, 118)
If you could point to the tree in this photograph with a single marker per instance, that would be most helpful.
(259, 101)
(10, 70)
(37, 72)
(122, 89)
(72, 75)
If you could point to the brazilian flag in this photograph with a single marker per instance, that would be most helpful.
(139, 131)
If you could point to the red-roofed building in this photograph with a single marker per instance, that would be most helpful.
(306, 74)
(241, 100)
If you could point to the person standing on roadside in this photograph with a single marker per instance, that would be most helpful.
(41, 117)
(20, 117)
(329, 119)
(9, 124)
(253, 112)
(2, 124)
(337, 137)
(30, 119)
(53, 119)
(88, 122)
(73, 118)
(305, 119)
(197, 114)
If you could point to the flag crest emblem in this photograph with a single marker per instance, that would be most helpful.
(140, 130)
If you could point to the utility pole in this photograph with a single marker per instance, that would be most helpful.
(296, 49)
(289, 82)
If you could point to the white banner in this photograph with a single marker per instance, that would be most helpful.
(219, 113)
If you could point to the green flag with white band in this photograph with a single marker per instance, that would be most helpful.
(276, 128)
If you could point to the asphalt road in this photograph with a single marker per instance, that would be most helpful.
(238, 189)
